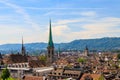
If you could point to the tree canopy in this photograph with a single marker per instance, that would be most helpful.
(118, 56)
(5, 74)
(81, 60)
(43, 59)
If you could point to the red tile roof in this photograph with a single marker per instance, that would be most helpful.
(32, 78)
(94, 76)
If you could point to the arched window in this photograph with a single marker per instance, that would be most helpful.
(19, 65)
(16, 66)
(25, 65)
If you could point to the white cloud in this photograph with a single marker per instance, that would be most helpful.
(14, 33)
(21, 11)
(78, 13)
(102, 27)
(4, 7)
(64, 22)
(8, 30)
(59, 30)
(4, 17)
(60, 8)
(62, 30)
(88, 13)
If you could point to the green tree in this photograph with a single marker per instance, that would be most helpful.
(101, 77)
(81, 60)
(68, 66)
(43, 59)
(5, 74)
(118, 56)
(116, 66)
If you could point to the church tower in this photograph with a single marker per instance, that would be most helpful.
(23, 51)
(0, 55)
(50, 48)
(58, 55)
(86, 52)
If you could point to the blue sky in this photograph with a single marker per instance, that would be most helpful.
(71, 19)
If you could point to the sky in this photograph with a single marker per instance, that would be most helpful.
(71, 19)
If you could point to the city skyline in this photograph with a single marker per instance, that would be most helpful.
(80, 19)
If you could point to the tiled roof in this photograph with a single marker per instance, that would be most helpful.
(72, 72)
(62, 61)
(16, 58)
(36, 63)
(32, 78)
(94, 76)
(32, 58)
(58, 70)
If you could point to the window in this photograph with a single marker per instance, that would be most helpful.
(55, 73)
(25, 65)
(16, 66)
(19, 66)
(58, 73)
(22, 65)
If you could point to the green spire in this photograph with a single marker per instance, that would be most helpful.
(22, 42)
(50, 43)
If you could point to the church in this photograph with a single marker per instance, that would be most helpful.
(50, 48)
(22, 57)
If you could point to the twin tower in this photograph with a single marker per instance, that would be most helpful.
(50, 48)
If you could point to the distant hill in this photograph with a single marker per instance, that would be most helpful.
(93, 44)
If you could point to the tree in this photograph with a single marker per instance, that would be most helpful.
(118, 56)
(43, 59)
(5, 74)
(101, 77)
(116, 66)
(68, 66)
(81, 60)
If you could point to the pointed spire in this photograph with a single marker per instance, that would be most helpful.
(0, 55)
(59, 49)
(50, 42)
(86, 48)
(22, 42)
(23, 48)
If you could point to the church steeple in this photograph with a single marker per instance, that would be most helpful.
(58, 52)
(86, 52)
(50, 42)
(22, 43)
(0, 55)
(23, 51)
(50, 48)
(86, 48)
